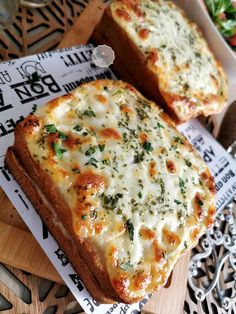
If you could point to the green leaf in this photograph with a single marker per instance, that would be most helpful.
(147, 146)
(90, 151)
(130, 229)
(51, 128)
(93, 162)
(58, 150)
(77, 128)
(84, 217)
(177, 202)
(159, 125)
(138, 157)
(111, 201)
(89, 113)
(62, 136)
(101, 147)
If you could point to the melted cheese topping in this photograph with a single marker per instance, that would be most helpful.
(190, 79)
(135, 187)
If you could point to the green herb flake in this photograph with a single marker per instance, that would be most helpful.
(185, 244)
(58, 150)
(159, 125)
(84, 217)
(188, 163)
(51, 128)
(182, 185)
(147, 146)
(92, 161)
(111, 201)
(179, 140)
(90, 151)
(101, 147)
(177, 202)
(140, 194)
(77, 128)
(130, 229)
(62, 136)
(138, 157)
(89, 113)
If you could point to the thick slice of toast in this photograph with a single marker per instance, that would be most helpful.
(120, 189)
(165, 56)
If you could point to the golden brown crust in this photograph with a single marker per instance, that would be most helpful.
(46, 186)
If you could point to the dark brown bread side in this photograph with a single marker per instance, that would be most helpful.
(129, 64)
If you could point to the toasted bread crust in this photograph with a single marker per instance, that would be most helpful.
(81, 255)
(131, 65)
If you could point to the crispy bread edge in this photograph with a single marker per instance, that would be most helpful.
(69, 246)
(48, 189)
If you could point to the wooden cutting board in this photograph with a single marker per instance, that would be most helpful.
(18, 247)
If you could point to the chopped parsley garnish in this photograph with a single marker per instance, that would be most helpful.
(141, 113)
(177, 202)
(106, 162)
(58, 150)
(90, 151)
(182, 185)
(84, 217)
(62, 136)
(188, 163)
(77, 128)
(138, 157)
(185, 244)
(126, 266)
(140, 194)
(93, 162)
(89, 113)
(51, 128)
(130, 229)
(159, 125)
(101, 147)
(111, 201)
(147, 147)
(179, 140)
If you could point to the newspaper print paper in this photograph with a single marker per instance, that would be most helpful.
(60, 72)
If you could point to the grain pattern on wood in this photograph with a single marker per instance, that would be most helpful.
(171, 300)
(84, 25)
(18, 248)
